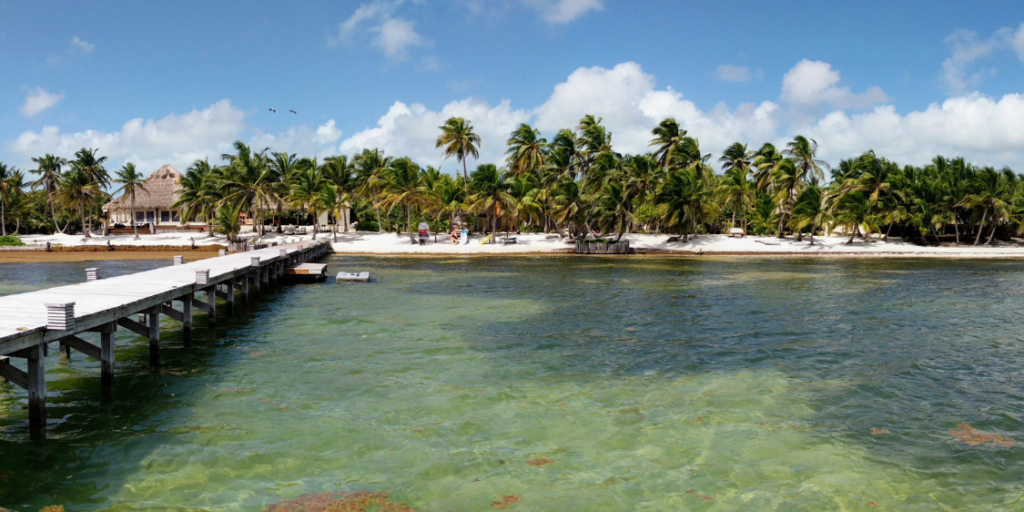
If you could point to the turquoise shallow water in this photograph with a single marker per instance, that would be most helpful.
(650, 384)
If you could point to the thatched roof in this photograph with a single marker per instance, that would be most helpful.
(161, 191)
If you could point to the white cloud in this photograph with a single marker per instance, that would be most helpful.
(394, 35)
(1018, 42)
(175, 139)
(301, 140)
(631, 106)
(967, 49)
(82, 45)
(38, 100)
(564, 11)
(812, 84)
(730, 73)
(412, 130)
(990, 132)
(978, 127)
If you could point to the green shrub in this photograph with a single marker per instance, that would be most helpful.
(10, 241)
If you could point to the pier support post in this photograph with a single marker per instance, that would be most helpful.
(230, 285)
(211, 299)
(186, 322)
(154, 337)
(245, 289)
(107, 354)
(36, 388)
(265, 276)
(65, 352)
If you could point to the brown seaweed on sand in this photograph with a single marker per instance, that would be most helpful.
(969, 435)
(540, 461)
(340, 502)
(505, 501)
(879, 431)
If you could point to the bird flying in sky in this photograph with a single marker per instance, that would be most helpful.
(272, 110)
(293, 112)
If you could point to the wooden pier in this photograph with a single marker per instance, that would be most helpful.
(30, 322)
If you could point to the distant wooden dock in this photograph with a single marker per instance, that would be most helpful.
(30, 322)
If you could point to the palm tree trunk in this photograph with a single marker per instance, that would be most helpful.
(981, 227)
(81, 211)
(380, 227)
(135, 229)
(316, 224)
(3, 220)
(814, 226)
(956, 228)
(465, 174)
(53, 212)
(995, 225)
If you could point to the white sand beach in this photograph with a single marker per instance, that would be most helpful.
(389, 243)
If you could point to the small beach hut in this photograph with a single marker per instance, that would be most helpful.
(153, 206)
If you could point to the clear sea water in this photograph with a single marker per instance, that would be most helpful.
(649, 384)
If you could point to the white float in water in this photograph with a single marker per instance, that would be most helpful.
(354, 276)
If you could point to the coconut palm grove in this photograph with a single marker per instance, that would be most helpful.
(574, 184)
(512, 255)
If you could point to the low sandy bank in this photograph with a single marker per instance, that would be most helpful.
(362, 242)
(69, 256)
(389, 243)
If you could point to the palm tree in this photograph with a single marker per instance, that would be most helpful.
(853, 208)
(460, 141)
(683, 200)
(131, 181)
(371, 166)
(248, 179)
(450, 197)
(88, 162)
(488, 185)
(804, 152)
(340, 172)
(525, 199)
(404, 187)
(613, 209)
(736, 156)
(988, 190)
(810, 209)
(199, 193)
(737, 192)
(228, 222)
(785, 186)
(765, 161)
(78, 190)
(527, 151)
(49, 167)
(667, 137)
(18, 207)
(307, 186)
(6, 173)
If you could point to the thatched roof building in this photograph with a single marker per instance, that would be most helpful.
(152, 205)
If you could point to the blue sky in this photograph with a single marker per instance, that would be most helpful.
(168, 82)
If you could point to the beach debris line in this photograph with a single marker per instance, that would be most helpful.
(971, 436)
(340, 501)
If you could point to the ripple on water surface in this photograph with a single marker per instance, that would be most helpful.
(555, 384)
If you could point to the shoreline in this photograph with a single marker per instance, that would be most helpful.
(361, 243)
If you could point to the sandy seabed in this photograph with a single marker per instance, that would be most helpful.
(361, 242)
